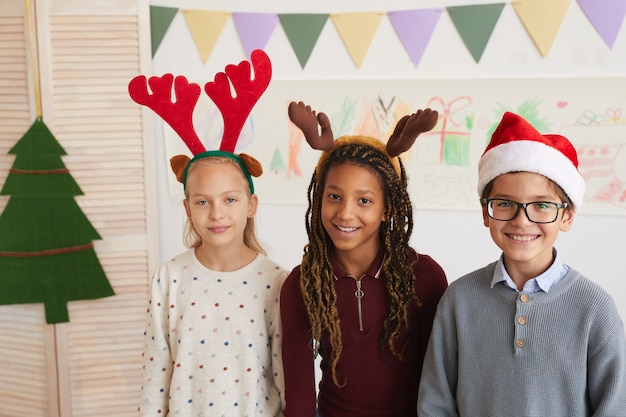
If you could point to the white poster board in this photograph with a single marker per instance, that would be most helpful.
(442, 165)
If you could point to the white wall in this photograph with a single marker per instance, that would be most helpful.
(456, 239)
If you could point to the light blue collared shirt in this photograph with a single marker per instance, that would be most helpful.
(543, 282)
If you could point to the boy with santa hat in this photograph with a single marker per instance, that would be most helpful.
(526, 335)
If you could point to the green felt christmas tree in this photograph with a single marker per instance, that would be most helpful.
(46, 241)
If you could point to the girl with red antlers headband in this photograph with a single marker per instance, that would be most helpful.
(362, 298)
(212, 340)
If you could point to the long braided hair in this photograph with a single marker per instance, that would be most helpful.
(316, 273)
(317, 279)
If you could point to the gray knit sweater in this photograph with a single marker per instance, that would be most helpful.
(494, 352)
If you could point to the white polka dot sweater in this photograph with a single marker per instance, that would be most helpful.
(212, 341)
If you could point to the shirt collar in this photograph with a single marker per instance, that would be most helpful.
(542, 282)
(373, 271)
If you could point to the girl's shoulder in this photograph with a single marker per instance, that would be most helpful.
(431, 281)
(182, 260)
(292, 281)
(424, 263)
(266, 264)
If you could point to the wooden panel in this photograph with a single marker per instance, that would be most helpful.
(24, 384)
(14, 79)
(88, 57)
(28, 381)
(85, 53)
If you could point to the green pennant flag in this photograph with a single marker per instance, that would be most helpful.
(302, 31)
(46, 249)
(160, 21)
(475, 23)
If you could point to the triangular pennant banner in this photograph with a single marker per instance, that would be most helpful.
(475, 25)
(160, 21)
(205, 27)
(357, 30)
(414, 29)
(606, 16)
(542, 19)
(302, 31)
(254, 29)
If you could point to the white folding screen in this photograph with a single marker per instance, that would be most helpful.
(85, 52)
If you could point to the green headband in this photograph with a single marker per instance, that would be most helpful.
(209, 154)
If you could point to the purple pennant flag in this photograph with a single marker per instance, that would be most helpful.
(606, 16)
(254, 29)
(415, 28)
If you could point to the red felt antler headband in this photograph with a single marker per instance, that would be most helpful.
(235, 109)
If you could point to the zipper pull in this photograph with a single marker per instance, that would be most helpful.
(359, 294)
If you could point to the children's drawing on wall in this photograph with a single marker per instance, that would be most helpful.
(530, 110)
(442, 165)
(452, 132)
(601, 144)
(442, 156)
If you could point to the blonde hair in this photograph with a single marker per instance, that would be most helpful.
(191, 238)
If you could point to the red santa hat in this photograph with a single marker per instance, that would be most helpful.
(517, 146)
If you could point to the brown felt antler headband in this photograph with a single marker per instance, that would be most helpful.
(408, 128)
(234, 109)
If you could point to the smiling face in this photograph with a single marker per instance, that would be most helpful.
(527, 246)
(219, 203)
(352, 209)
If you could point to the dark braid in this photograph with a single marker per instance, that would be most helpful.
(317, 280)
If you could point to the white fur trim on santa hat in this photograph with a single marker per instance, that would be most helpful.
(532, 156)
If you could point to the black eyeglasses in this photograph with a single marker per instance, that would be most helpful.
(537, 212)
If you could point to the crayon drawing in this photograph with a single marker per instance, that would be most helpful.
(442, 165)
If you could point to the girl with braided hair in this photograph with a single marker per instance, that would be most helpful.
(362, 298)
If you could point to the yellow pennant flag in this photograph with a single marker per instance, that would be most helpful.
(205, 27)
(542, 19)
(357, 30)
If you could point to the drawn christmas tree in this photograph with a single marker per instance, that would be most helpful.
(278, 164)
(46, 241)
